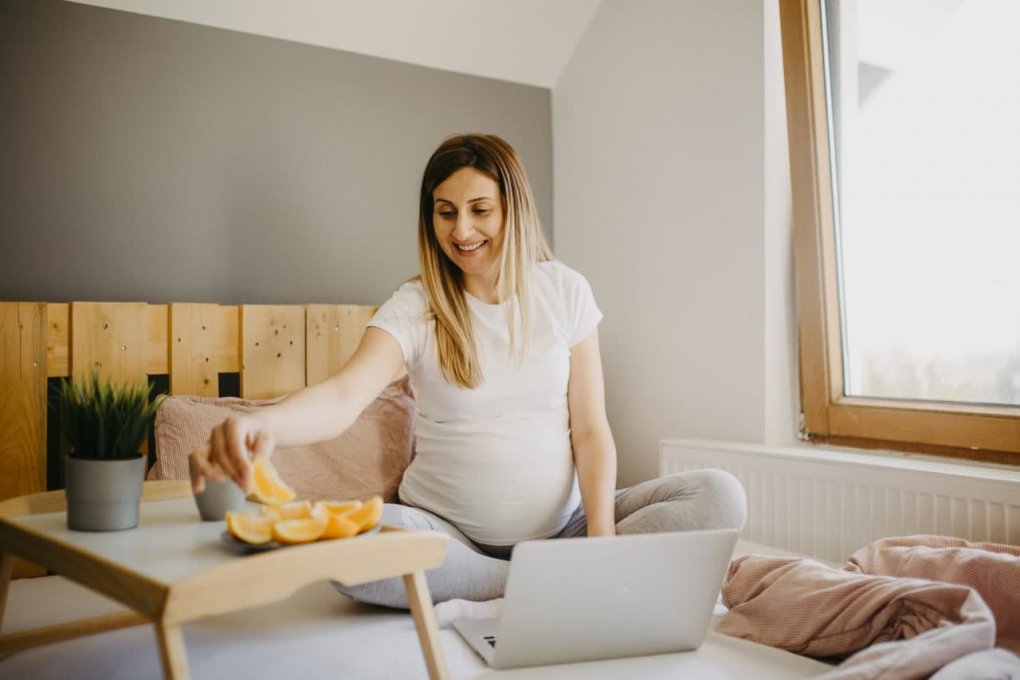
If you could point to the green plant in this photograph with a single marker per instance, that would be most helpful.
(105, 421)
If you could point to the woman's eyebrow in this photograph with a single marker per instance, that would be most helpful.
(472, 200)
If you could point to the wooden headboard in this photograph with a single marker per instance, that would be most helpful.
(275, 349)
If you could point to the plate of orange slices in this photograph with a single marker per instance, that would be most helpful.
(283, 521)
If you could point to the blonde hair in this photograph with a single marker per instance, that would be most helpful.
(523, 246)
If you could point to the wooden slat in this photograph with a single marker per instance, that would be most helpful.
(22, 405)
(333, 333)
(22, 398)
(58, 340)
(112, 338)
(230, 351)
(196, 336)
(158, 354)
(272, 350)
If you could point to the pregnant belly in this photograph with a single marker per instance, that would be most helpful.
(499, 485)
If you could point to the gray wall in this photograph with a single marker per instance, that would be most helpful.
(149, 159)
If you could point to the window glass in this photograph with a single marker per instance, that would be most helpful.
(925, 121)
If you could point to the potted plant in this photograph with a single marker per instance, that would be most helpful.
(105, 425)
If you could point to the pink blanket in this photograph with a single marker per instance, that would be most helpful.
(992, 569)
(892, 609)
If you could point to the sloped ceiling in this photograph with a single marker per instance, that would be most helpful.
(522, 41)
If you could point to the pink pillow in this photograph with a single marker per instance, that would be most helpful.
(369, 458)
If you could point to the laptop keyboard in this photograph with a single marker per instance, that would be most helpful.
(491, 639)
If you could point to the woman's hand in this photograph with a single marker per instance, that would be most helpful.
(311, 414)
(228, 453)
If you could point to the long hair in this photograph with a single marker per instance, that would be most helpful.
(523, 246)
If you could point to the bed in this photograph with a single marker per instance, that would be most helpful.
(319, 634)
(256, 352)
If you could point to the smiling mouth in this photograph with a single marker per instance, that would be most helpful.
(469, 247)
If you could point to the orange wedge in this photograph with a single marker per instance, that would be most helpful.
(295, 510)
(268, 486)
(337, 507)
(368, 515)
(340, 526)
(250, 529)
(298, 530)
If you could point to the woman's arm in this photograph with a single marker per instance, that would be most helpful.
(591, 438)
(312, 414)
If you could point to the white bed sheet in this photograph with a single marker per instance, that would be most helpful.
(319, 634)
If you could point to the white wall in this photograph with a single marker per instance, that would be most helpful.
(463, 36)
(782, 393)
(660, 154)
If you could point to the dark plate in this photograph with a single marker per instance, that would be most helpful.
(248, 549)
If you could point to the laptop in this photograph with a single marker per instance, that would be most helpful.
(583, 599)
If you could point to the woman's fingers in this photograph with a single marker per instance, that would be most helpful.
(197, 478)
(232, 444)
(201, 468)
(219, 455)
(238, 453)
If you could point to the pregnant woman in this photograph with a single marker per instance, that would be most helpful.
(500, 342)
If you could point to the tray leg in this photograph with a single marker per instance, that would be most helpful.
(171, 651)
(25, 639)
(425, 621)
(6, 570)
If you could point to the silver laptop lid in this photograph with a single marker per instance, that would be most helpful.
(578, 599)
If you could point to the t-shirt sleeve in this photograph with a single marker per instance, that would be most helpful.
(583, 315)
(404, 317)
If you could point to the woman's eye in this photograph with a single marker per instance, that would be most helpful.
(481, 211)
(446, 214)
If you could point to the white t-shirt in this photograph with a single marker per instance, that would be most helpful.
(496, 460)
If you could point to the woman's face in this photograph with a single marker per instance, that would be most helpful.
(468, 220)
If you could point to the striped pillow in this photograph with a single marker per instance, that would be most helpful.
(369, 458)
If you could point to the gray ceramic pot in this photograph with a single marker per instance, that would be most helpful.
(103, 495)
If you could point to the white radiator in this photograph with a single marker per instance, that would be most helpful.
(827, 503)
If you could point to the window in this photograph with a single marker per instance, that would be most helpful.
(903, 151)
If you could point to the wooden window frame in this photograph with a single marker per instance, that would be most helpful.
(985, 433)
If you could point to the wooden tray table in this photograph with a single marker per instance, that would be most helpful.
(174, 568)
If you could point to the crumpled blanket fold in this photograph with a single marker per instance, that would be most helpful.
(993, 569)
(911, 625)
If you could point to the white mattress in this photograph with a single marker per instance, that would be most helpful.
(320, 634)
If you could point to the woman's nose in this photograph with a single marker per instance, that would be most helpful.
(464, 226)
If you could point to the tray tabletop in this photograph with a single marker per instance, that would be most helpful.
(174, 568)
(170, 543)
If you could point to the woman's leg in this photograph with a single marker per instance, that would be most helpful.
(699, 499)
(466, 573)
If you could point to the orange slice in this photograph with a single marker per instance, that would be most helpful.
(249, 528)
(337, 507)
(295, 510)
(340, 526)
(298, 530)
(268, 487)
(368, 515)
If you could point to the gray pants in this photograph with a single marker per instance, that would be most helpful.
(699, 499)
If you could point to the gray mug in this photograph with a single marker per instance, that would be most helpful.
(218, 498)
